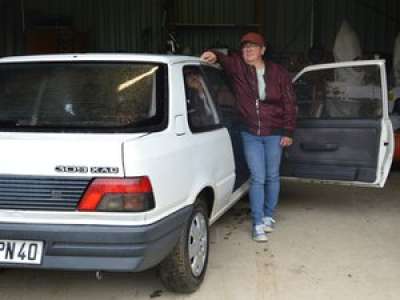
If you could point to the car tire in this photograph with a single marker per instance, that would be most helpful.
(184, 269)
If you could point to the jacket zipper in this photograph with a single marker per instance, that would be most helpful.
(257, 105)
(258, 116)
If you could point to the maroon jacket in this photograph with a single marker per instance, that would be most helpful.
(274, 116)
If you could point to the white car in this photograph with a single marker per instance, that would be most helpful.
(120, 162)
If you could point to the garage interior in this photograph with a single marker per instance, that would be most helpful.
(291, 27)
(331, 242)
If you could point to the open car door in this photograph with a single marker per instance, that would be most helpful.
(343, 133)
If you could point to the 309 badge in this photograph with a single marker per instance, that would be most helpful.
(84, 170)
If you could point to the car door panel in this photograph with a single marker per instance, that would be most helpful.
(204, 122)
(343, 131)
(334, 151)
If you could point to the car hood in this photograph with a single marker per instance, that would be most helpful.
(80, 155)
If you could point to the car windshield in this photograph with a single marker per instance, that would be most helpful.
(83, 95)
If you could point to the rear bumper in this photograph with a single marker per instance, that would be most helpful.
(100, 248)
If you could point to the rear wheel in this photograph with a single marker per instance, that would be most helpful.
(184, 269)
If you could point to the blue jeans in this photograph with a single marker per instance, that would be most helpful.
(263, 155)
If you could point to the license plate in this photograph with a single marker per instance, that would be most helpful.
(21, 252)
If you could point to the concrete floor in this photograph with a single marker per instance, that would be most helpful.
(331, 242)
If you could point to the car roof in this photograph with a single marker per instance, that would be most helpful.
(103, 57)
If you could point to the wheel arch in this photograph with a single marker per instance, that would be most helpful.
(207, 194)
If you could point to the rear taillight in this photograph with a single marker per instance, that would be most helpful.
(118, 195)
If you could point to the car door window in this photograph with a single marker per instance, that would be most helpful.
(344, 93)
(219, 88)
(201, 110)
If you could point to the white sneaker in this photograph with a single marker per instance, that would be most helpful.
(259, 234)
(268, 224)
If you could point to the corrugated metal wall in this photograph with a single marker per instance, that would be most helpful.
(376, 22)
(112, 25)
(10, 28)
(136, 25)
(221, 16)
(287, 23)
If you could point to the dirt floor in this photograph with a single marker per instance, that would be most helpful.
(330, 242)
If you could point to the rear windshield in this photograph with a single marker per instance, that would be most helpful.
(83, 96)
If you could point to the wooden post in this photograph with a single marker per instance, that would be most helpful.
(259, 6)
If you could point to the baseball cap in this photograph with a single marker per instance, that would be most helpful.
(253, 37)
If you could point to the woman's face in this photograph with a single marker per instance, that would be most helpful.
(252, 53)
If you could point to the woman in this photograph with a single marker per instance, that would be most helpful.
(267, 108)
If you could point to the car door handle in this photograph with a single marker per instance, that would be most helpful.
(316, 147)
